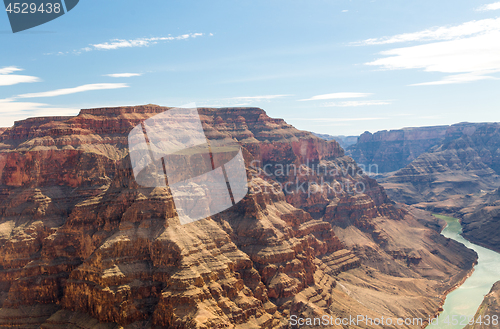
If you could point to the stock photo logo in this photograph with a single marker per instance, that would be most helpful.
(26, 15)
(205, 176)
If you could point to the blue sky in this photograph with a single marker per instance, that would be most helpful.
(328, 66)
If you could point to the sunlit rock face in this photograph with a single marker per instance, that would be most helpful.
(83, 245)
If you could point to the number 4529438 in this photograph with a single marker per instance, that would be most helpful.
(31, 8)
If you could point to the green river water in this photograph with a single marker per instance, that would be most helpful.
(464, 301)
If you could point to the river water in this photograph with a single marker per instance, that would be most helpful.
(464, 301)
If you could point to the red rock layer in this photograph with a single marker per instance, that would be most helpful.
(81, 244)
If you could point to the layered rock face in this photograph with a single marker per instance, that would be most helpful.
(388, 151)
(455, 174)
(489, 311)
(449, 177)
(481, 220)
(82, 245)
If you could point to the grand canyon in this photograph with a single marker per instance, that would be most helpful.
(84, 246)
(445, 169)
(451, 170)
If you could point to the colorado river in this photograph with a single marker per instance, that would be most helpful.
(465, 300)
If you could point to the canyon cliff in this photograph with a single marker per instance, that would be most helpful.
(481, 220)
(392, 150)
(82, 245)
(487, 316)
(454, 170)
(464, 166)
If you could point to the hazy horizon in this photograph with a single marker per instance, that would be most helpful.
(339, 68)
(337, 135)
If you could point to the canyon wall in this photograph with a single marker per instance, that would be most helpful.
(394, 149)
(83, 246)
(449, 169)
(454, 173)
(481, 221)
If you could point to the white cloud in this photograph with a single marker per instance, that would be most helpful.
(355, 103)
(123, 75)
(457, 78)
(11, 111)
(491, 6)
(439, 33)
(336, 96)
(465, 60)
(140, 42)
(79, 89)
(115, 44)
(127, 43)
(8, 79)
(9, 70)
(480, 53)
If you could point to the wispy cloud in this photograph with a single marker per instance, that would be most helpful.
(128, 43)
(439, 33)
(356, 103)
(491, 6)
(9, 70)
(8, 79)
(123, 75)
(336, 96)
(79, 89)
(473, 54)
(11, 111)
(140, 42)
(458, 78)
